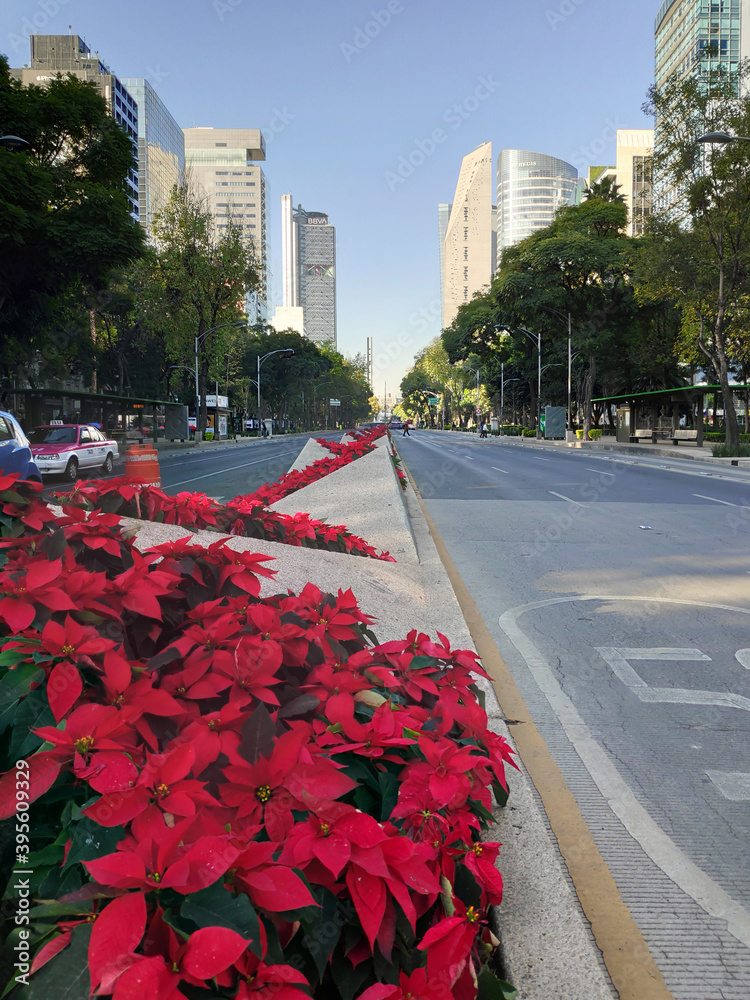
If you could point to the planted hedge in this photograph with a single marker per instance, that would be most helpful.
(226, 796)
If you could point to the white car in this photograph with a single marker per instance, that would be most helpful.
(62, 449)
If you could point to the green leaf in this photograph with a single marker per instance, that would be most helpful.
(65, 977)
(348, 979)
(466, 887)
(422, 662)
(389, 790)
(16, 683)
(217, 907)
(325, 929)
(89, 840)
(54, 544)
(34, 711)
(489, 987)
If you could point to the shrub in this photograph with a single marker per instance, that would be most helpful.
(226, 790)
(594, 434)
(720, 436)
(724, 451)
(528, 432)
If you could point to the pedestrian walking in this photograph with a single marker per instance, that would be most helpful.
(406, 429)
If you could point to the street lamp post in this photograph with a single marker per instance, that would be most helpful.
(503, 380)
(537, 339)
(315, 396)
(284, 350)
(722, 138)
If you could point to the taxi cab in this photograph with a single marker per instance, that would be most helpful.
(62, 449)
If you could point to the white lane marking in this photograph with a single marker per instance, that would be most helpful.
(733, 785)
(219, 472)
(743, 657)
(541, 459)
(495, 469)
(600, 472)
(658, 846)
(563, 497)
(468, 458)
(618, 657)
(725, 502)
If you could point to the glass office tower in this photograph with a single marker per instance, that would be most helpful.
(693, 37)
(161, 151)
(531, 187)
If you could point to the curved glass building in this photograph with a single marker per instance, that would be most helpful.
(531, 187)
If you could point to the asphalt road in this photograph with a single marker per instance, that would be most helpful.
(219, 472)
(618, 592)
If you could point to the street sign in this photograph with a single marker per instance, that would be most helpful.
(212, 401)
(479, 411)
(334, 402)
(432, 401)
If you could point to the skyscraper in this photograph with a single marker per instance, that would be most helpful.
(444, 216)
(693, 37)
(470, 233)
(69, 54)
(531, 187)
(634, 174)
(308, 250)
(225, 164)
(161, 150)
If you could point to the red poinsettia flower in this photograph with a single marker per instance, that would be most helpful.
(258, 981)
(450, 942)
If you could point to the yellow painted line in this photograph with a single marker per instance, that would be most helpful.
(629, 962)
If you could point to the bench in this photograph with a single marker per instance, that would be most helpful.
(684, 435)
(643, 434)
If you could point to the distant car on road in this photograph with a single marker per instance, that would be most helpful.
(15, 450)
(396, 424)
(62, 449)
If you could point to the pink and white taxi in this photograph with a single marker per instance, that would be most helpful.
(62, 449)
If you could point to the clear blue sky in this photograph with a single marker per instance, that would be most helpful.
(343, 93)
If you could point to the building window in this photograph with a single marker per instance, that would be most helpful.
(219, 144)
(222, 173)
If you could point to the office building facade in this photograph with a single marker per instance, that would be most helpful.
(531, 187)
(693, 37)
(444, 216)
(225, 165)
(69, 54)
(634, 174)
(469, 246)
(308, 252)
(161, 151)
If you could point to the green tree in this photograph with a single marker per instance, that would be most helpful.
(204, 278)
(65, 218)
(699, 251)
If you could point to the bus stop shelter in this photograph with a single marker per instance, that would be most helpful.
(664, 414)
(127, 419)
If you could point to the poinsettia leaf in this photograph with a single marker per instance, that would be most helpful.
(67, 977)
(489, 987)
(164, 658)
(299, 706)
(54, 544)
(16, 683)
(322, 935)
(258, 735)
(33, 711)
(118, 930)
(217, 907)
(466, 887)
(211, 950)
(389, 787)
(90, 841)
(347, 978)
(422, 662)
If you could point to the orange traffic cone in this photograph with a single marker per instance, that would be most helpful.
(142, 464)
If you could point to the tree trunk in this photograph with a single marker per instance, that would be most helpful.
(588, 390)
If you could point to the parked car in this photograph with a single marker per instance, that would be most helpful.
(62, 449)
(15, 450)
